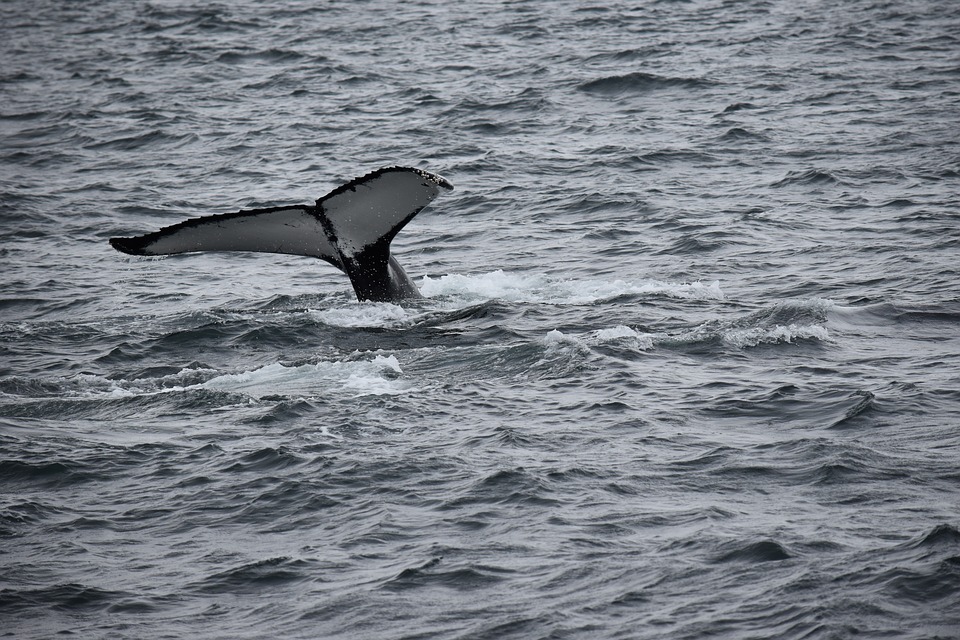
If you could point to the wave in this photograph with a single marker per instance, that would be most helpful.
(934, 317)
(776, 334)
(810, 177)
(464, 578)
(755, 552)
(787, 323)
(269, 56)
(739, 134)
(90, 396)
(49, 475)
(72, 597)
(639, 82)
(942, 536)
(784, 322)
(861, 402)
(255, 576)
(144, 141)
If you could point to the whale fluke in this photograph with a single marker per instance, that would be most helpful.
(351, 228)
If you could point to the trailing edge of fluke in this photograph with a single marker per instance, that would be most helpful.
(351, 228)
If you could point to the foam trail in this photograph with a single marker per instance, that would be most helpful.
(372, 377)
(514, 287)
(368, 314)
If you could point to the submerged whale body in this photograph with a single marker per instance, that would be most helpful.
(351, 228)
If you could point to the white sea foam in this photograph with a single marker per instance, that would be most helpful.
(496, 284)
(367, 314)
(775, 334)
(613, 333)
(364, 377)
(618, 334)
(88, 386)
(624, 334)
(376, 376)
(592, 291)
(515, 287)
(556, 337)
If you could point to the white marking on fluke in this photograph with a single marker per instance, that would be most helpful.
(351, 228)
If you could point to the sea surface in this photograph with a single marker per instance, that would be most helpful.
(687, 366)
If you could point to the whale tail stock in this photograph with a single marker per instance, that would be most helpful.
(351, 228)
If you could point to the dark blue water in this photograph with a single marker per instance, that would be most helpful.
(688, 364)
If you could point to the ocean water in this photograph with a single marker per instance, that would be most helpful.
(687, 366)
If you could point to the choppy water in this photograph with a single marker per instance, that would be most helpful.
(687, 366)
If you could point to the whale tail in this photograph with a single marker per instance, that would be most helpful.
(351, 228)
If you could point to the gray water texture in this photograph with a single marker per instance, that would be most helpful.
(687, 365)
